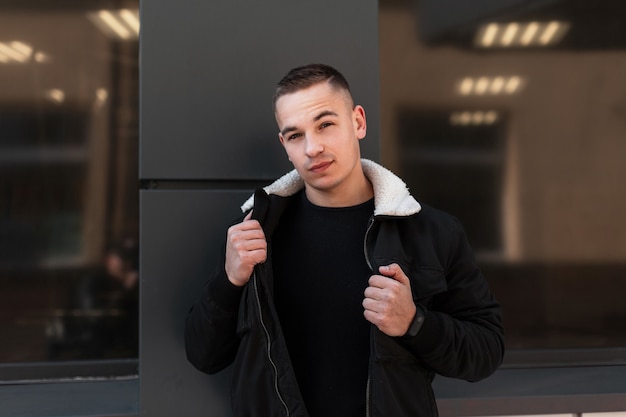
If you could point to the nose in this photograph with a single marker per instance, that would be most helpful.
(314, 146)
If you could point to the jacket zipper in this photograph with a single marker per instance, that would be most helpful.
(367, 231)
(267, 336)
(367, 397)
(369, 264)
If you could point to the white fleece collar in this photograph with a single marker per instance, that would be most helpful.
(391, 195)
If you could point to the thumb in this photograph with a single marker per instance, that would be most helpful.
(394, 271)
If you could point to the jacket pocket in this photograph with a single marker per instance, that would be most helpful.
(400, 386)
(426, 281)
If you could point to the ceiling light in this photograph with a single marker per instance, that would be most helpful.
(518, 34)
(114, 24)
(512, 85)
(131, 17)
(101, 97)
(509, 34)
(490, 85)
(529, 33)
(41, 57)
(489, 35)
(473, 118)
(117, 24)
(15, 51)
(496, 85)
(466, 86)
(549, 33)
(491, 117)
(481, 86)
(56, 95)
(21, 47)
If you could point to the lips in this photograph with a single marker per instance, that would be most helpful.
(320, 167)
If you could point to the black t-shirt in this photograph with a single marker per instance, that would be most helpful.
(320, 276)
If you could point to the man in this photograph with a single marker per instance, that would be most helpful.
(340, 295)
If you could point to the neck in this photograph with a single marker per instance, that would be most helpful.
(355, 194)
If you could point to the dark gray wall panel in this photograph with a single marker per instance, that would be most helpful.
(181, 236)
(208, 71)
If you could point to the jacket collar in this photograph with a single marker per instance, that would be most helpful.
(391, 195)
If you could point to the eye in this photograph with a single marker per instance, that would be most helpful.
(294, 136)
(325, 125)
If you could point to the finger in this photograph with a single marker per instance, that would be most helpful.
(248, 216)
(247, 241)
(249, 229)
(370, 316)
(374, 293)
(249, 225)
(369, 305)
(255, 256)
(394, 271)
(380, 281)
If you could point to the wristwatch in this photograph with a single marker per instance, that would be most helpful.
(416, 324)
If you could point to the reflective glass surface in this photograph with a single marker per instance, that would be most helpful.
(512, 116)
(68, 181)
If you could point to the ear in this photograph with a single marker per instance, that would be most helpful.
(360, 122)
(281, 139)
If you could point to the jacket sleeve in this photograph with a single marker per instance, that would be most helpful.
(211, 339)
(462, 334)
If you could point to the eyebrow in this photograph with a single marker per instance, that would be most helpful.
(321, 115)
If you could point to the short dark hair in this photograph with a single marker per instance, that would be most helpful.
(307, 76)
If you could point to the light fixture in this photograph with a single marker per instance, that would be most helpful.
(102, 94)
(15, 51)
(117, 24)
(481, 86)
(474, 118)
(56, 95)
(520, 34)
(41, 57)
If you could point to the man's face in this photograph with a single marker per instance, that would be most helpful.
(320, 131)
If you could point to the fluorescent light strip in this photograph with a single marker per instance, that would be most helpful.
(512, 85)
(119, 24)
(115, 25)
(496, 85)
(489, 35)
(481, 86)
(491, 117)
(490, 85)
(22, 48)
(549, 33)
(131, 18)
(529, 33)
(521, 34)
(509, 34)
(15, 54)
(466, 86)
(474, 118)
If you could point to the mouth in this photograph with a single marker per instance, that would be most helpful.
(320, 167)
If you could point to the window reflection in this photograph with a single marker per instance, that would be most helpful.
(101, 317)
(68, 183)
(540, 189)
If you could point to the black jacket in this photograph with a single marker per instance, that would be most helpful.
(461, 335)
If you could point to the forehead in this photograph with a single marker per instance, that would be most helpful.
(308, 101)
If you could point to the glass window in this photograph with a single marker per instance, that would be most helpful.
(513, 118)
(68, 181)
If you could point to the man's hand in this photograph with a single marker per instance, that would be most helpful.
(388, 301)
(245, 247)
